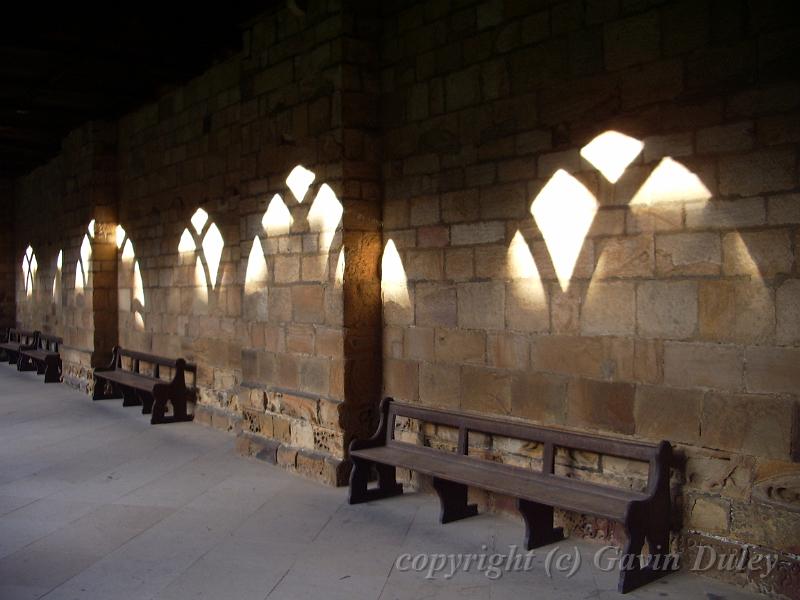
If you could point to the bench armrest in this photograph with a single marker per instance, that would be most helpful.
(379, 437)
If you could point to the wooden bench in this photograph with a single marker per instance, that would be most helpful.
(43, 357)
(123, 379)
(18, 338)
(645, 515)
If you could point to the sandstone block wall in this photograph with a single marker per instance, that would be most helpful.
(678, 319)
(465, 242)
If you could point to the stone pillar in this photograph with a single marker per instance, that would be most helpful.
(7, 255)
(89, 297)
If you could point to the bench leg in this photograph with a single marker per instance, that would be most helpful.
(146, 401)
(105, 390)
(539, 530)
(179, 401)
(130, 397)
(654, 527)
(52, 370)
(453, 500)
(25, 364)
(359, 481)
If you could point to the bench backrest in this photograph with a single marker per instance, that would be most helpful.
(551, 438)
(49, 343)
(177, 364)
(23, 336)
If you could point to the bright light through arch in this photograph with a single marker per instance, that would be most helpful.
(394, 283)
(564, 210)
(212, 249)
(299, 181)
(670, 182)
(611, 152)
(277, 220)
(199, 219)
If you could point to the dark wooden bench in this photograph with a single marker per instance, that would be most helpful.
(43, 357)
(17, 338)
(645, 515)
(123, 379)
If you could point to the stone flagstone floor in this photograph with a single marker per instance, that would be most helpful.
(97, 504)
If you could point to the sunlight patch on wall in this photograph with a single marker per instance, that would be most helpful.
(138, 301)
(669, 182)
(201, 283)
(82, 266)
(339, 275)
(277, 220)
(29, 268)
(520, 260)
(91, 228)
(256, 275)
(299, 180)
(120, 235)
(199, 219)
(324, 218)
(611, 152)
(394, 283)
(186, 243)
(212, 249)
(80, 280)
(57, 276)
(255, 283)
(127, 252)
(564, 210)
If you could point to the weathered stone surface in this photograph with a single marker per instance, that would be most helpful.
(749, 424)
(436, 305)
(480, 305)
(708, 514)
(539, 396)
(666, 309)
(772, 369)
(609, 309)
(601, 405)
(526, 306)
(688, 254)
(736, 311)
(460, 346)
(485, 390)
(508, 350)
(787, 309)
(597, 357)
(440, 384)
(625, 257)
(762, 254)
(666, 414)
(714, 366)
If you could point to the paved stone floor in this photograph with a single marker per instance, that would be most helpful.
(96, 503)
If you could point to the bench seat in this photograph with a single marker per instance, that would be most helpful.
(17, 340)
(578, 496)
(42, 356)
(149, 391)
(644, 515)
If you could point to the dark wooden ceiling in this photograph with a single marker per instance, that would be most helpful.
(60, 68)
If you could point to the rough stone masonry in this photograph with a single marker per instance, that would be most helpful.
(441, 130)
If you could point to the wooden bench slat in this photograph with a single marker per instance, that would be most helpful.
(119, 381)
(644, 515)
(560, 437)
(501, 479)
(139, 382)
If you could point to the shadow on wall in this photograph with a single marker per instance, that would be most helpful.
(565, 210)
(131, 287)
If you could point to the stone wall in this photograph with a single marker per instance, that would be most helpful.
(641, 283)
(8, 266)
(660, 303)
